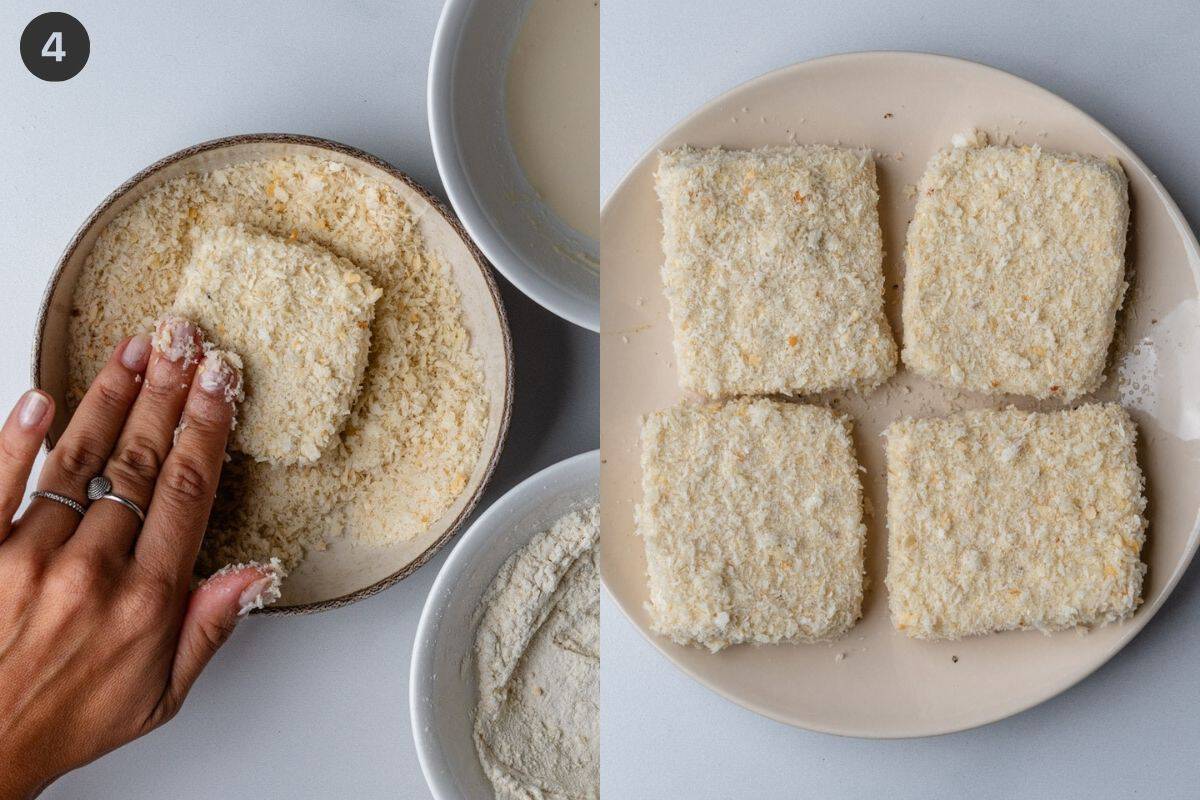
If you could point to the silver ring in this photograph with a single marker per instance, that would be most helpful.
(74, 505)
(100, 488)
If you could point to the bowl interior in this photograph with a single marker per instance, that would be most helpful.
(527, 241)
(444, 689)
(345, 568)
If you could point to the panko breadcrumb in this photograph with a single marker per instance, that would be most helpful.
(752, 517)
(773, 270)
(416, 430)
(1001, 520)
(300, 318)
(1016, 269)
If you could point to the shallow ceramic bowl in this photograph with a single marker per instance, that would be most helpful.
(540, 254)
(345, 572)
(442, 689)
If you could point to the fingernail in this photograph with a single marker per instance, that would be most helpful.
(254, 595)
(260, 594)
(31, 409)
(136, 352)
(221, 375)
(175, 338)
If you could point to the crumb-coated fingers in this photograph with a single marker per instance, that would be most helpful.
(108, 528)
(187, 485)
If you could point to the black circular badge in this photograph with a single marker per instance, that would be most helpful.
(55, 46)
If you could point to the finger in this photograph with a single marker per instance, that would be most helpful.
(144, 442)
(20, 437)
(214, 610)
(183, 497)
(86, 443)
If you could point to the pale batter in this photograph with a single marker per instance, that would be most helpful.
(553, 99)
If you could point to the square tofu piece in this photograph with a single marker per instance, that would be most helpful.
(774, 270)
(1000, 520)
(1016, 269)
(299, 317)
(752, 519)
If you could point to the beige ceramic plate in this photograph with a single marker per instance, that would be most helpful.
(345, 572)
(905, 106)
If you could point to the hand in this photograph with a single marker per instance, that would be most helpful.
(100, 635)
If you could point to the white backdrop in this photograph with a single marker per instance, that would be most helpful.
(316, 707)
(298, 707)
(1130, 730)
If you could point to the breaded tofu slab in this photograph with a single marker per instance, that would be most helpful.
(773, 270)
(1000, 520)
(299, 317)
(1015, 270)
(752, 520)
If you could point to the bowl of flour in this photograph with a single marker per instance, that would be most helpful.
(504, 688)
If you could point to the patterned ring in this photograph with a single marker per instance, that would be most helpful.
(74, 505)
(100, 488)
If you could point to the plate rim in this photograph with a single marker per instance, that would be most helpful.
(1131, 627)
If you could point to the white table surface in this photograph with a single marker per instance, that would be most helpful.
(296, 707)
(1131, 729)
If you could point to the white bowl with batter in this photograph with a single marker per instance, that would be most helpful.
(514, 120)
(443, 688)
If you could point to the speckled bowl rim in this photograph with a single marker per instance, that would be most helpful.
(365, 157)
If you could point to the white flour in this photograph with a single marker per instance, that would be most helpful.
(1158, 376)
(537, 652)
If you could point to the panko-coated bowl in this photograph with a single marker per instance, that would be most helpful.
(346, 571)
